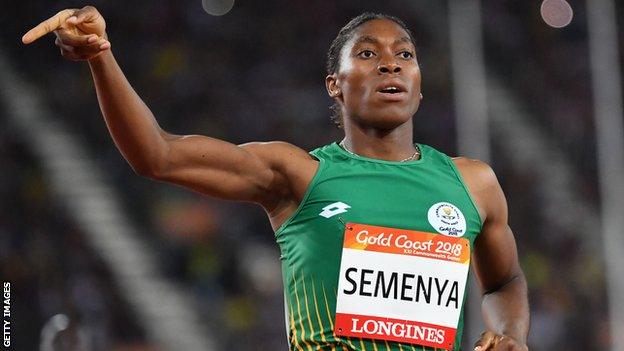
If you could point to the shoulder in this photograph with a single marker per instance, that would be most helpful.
(482, 183)
(475, 172)
(274, 146)
(277, 153)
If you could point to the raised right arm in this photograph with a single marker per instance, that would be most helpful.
(249, 172)
(254, 172)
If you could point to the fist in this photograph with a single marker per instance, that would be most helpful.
(491, 341)
(80, 33)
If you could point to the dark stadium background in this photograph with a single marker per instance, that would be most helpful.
(257, 74)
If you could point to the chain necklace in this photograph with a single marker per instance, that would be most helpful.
(416, 153)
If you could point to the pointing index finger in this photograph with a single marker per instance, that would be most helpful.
(51, 24)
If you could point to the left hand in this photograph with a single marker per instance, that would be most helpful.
(491, 341)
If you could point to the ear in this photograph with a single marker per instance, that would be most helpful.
(331, 84)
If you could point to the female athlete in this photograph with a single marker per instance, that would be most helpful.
(376, 232)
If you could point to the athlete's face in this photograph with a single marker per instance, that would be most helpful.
(379, 55)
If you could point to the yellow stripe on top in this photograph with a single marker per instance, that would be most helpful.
(351, 343)
(305, 299)
(318, 315)
(309, 347)
(331, 321)
(293, 330)
(362, 344)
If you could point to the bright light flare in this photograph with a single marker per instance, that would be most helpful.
(556, 13)
(217, 7)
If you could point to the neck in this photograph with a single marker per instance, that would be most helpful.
(390, 145)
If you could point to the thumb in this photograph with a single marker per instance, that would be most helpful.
(485, 342)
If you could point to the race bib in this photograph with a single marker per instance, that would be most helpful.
(401, 285)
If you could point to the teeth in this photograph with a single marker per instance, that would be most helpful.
(390, 89)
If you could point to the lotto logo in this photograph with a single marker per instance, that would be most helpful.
(334, 209)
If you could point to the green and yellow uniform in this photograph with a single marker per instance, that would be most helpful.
(348, 188)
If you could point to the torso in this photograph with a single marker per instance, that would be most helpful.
(375, 192)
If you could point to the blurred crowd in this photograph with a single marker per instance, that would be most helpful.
(549, 71)
(257, 74)
(51, 269)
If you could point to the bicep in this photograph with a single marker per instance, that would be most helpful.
(219, 168)
(495, 256)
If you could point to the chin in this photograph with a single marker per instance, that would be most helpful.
(388, 120)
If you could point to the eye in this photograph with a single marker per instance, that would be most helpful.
(366, 54)
(406, 55)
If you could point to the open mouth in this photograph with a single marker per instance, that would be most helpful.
(391, 90)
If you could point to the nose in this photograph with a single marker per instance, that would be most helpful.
(388, 67)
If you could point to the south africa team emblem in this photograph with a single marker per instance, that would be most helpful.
(447, 219)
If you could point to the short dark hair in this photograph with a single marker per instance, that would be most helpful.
(345, 33)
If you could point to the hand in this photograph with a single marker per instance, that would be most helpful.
(81, 34)
(491, 341)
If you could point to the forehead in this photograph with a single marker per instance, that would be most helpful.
(382, 30)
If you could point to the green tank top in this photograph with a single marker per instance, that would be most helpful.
(347, 189)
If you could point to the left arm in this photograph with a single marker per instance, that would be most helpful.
(505, 306)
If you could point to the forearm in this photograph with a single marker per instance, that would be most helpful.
(132, 125)
(506, 310)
